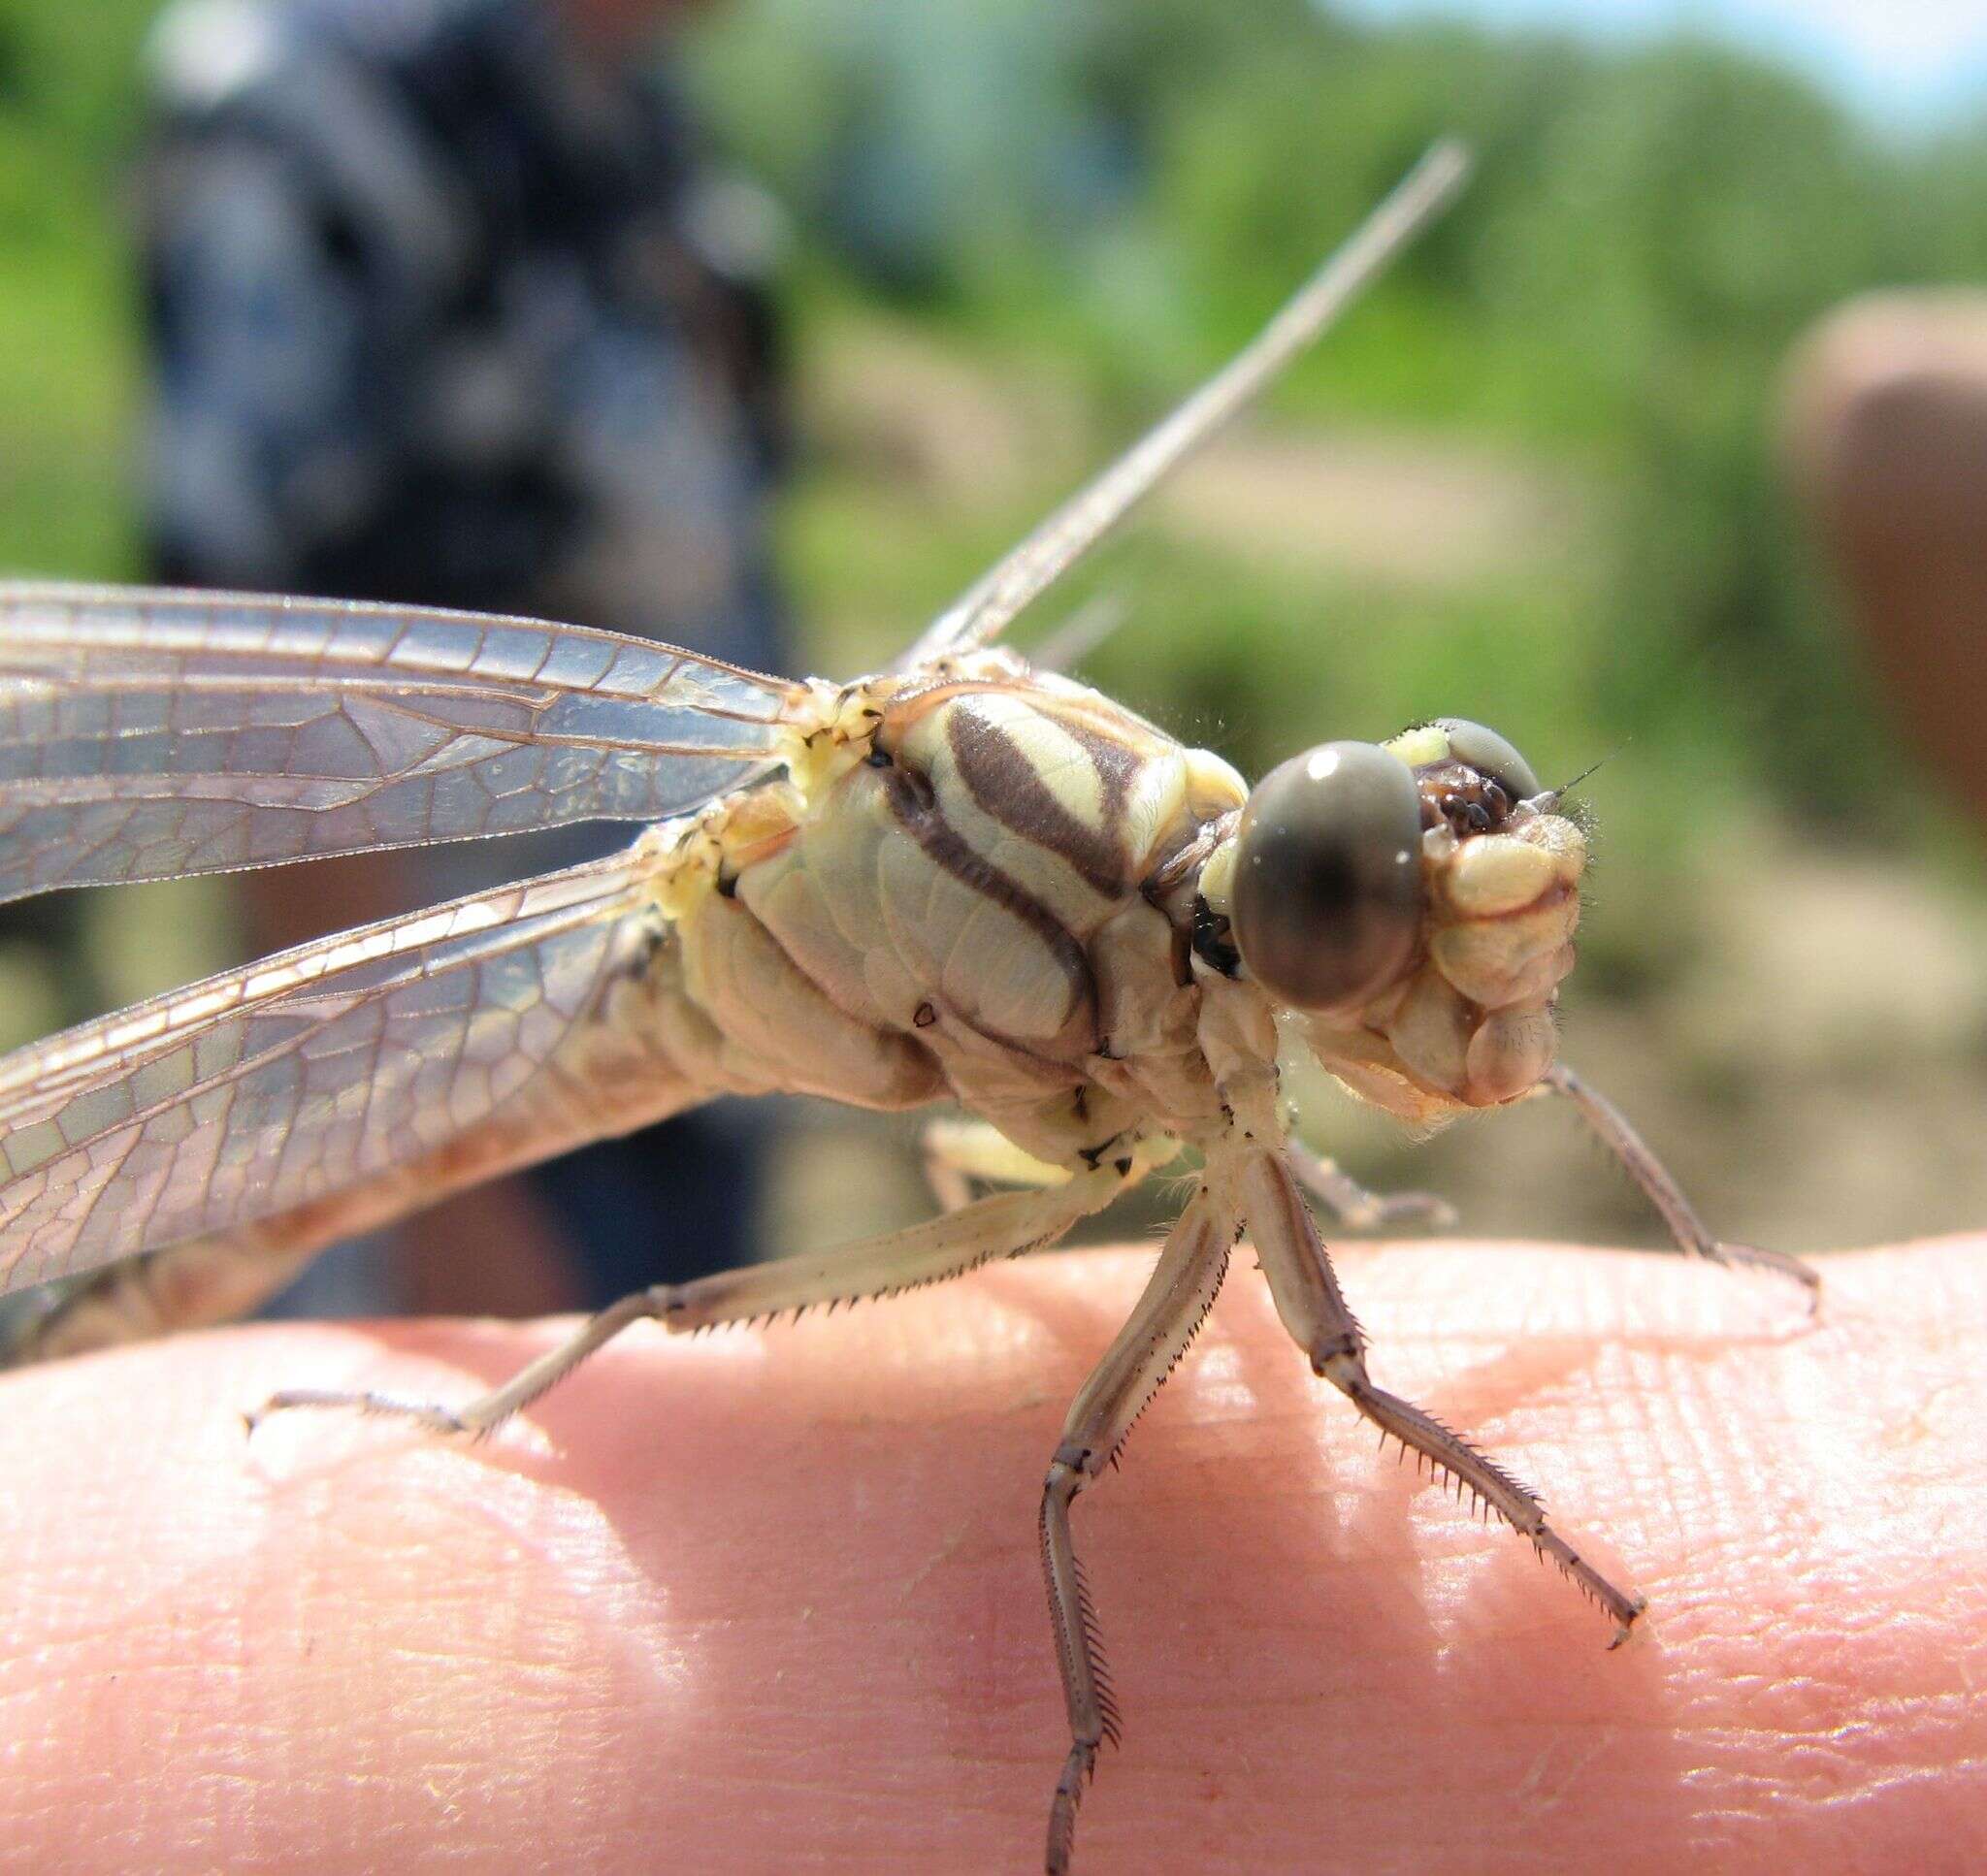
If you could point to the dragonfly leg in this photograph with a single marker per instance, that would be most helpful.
(1010, 1224)
(958, 1152)
(1311, 1307)
(1358, 1208)
(1175, 1302)
(1648, 1173)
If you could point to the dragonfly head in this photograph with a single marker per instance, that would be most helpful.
(1411, 905)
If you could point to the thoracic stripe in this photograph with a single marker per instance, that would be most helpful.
(1007, 784)
(911, 805)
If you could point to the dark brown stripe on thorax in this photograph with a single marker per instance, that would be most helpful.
(912, 807)
(1004, 782)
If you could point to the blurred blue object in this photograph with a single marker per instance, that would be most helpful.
(445, 308)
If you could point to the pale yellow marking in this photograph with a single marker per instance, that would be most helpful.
(825, 739)
(981, 1151)
(1494, 874)
(1154, 802)
(1213, 787)
(1421, 747)
(1038, 868)
(760, 815)
(1062, 763)
(1061, 766)
(1218, 877)
(689, 856)
(688, 874)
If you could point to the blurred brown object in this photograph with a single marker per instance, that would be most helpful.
(1886, 428)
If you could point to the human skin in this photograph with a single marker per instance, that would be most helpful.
(1886, 433)
(767, 1600)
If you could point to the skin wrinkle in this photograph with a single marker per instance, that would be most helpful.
(715, 1540)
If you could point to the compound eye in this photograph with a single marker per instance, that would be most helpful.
(1490, 756)
(1326, 899)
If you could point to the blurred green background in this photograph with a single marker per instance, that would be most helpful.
(1533, 480)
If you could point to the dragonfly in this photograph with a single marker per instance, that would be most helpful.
(961, 881)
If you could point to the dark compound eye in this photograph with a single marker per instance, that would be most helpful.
(1487, 753)
(1326, 899)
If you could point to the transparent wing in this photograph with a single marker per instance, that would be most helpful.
(292, 1078)
(146, 734)
(986, 608)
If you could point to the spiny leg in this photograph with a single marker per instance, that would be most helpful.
(1648, 1173)
(1174, 1304)
(1358, 1208)
(1007, 1225)
(1311, 1307)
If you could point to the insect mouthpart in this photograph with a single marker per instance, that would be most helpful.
(1463, 1016)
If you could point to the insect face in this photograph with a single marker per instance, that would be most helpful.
(1414, 903)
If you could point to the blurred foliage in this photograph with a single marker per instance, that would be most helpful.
(1131, 187)
(67, 356)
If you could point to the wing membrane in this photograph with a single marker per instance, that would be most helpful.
(989, 605)
(295, 1078)
(146, 734)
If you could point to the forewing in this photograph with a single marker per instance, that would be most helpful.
(146, 734)
(292, 1078)
(986, 608)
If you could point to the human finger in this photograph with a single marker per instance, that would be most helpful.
(768, 1597)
